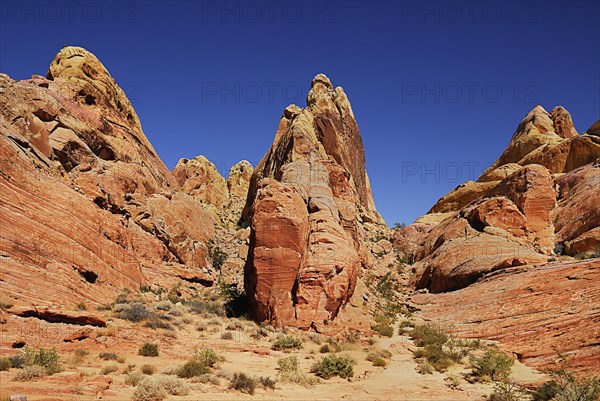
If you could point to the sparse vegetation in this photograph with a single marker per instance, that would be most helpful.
(135, 312)
(108, 356)
(158, 388)
(108, 369)
(267, 382)
(5, 364)
(192, 369)
(383, 326)
(30, 373)
(18, 361)
(506, 391)
(334, 365)
(148, 369)
(287, 342)
(566, 386)
(289, 372)
(149, 349)
(227, 335)
(437, 348)
(47, 359)
(492, 365)
(216, 255)
(202, 362)
(134, 378)
(243, 383)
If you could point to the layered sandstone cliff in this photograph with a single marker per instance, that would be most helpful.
(308, 199)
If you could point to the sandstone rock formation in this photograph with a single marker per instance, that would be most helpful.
(85, 201)
(534, 311)
(548, 139)
(307, 200)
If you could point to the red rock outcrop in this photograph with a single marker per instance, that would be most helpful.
(85, 201)
(307, 198)
(536, 312)
(510, 226)
(548, 139)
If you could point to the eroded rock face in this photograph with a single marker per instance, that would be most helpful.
(510, 226)
(85, 200)
(307, 199)
(547, 139)
(534, 311)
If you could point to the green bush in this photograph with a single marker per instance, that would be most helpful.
(565, 386)
(288, 365)
(325, 349)
(379, 361)
(216, 255)
(243, 383)
(47, 359)
(108, 369)
(287, 342)
(192, 369)
(428, 335)
(208, 357)
(493, 364)
(133, 379)
(5, 363)
(149, 349)
(334, 365)
(157, 388)
(505, 391)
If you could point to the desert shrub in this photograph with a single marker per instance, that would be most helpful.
(108, 369)
(383, 325)
(267, 382)
(208, 357)
(287, 342)
(492, 364)
(234, 325)
(425, 369)
(134, 313)
(164, 306)
(428, 335)
(334, 365)
(216, 255)
(18, 361)
(565, 386)
(227, 335)
(148, 369)
(48, 359)
(192, 369)
(243, 383)
(108, 356)
(206, 308)
(324, 349)
(288, 365)
(149, 349)
(379, 361)
(259, 333)
(5, 364)
(158, 323)
(81, 353)
(157, 388)
(386, 331)
(505, 391)
(30, 373)
(81, 306)
(134, 378)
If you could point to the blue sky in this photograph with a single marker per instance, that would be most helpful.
(438, 88)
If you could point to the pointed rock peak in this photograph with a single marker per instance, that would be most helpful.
(321, 79)
(563, 124)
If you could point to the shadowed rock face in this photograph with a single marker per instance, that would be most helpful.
(307, 199)
(85, 201)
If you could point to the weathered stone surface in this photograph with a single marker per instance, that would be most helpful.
(577, 216)
(238, 180)
(534, 311)
(316, 163)
(75, 167)
(201, 179)
(547, 139)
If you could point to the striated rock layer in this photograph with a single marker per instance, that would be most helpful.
(307, 201)
(85, 201)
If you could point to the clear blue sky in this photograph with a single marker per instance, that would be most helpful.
(438, 88)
